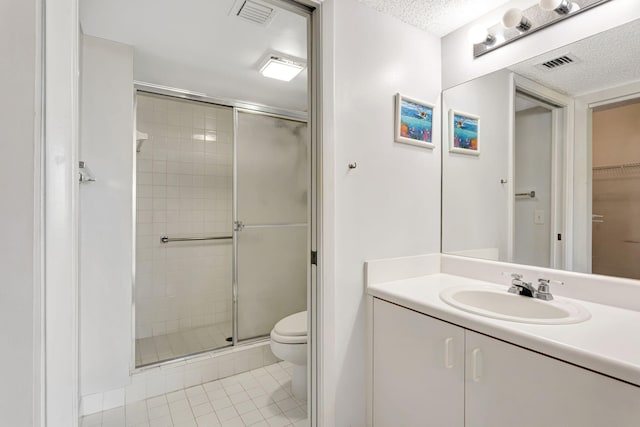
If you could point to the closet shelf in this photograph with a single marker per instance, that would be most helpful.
(621, 168)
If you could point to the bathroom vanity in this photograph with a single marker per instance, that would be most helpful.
(435, 364)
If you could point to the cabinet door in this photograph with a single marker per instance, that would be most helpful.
(509, 386)
(418, 369)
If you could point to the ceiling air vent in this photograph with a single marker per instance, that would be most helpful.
(255, 11)
(561, 61)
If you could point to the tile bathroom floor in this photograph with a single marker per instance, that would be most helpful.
(177, 344)
(261, 397)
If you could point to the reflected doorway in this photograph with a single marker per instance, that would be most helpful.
(616, 189)
(538, 180)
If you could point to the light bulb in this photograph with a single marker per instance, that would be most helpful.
(550, 4)
(561, 7)
(513, 18)
(479, 35)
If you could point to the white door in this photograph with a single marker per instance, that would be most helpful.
(418, 370)
(509, 386)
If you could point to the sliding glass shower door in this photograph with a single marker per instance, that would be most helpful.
(184, 251)
(271, 221)
(189, 198)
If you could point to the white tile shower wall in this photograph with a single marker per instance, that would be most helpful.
(151, 382)
(184, 188)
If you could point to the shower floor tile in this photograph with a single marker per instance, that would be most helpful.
(182, 343)
(196, 406)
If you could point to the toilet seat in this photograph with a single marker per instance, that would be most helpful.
(291, 330)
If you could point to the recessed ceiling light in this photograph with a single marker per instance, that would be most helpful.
(280, 68)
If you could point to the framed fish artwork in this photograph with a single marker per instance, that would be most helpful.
(464, 133)
(414, 122)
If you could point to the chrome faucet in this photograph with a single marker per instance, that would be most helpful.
(520, 287)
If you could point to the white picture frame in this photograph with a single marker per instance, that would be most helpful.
(464, 133)
(414, 121)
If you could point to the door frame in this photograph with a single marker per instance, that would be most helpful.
(60, 192)
(583, 186)
(555, 199)
(59, 376)
(585, 106)
(561, 171)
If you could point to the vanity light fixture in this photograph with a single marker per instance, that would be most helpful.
(513, 18)
(280, 68)
(478, 35)
(561, 7)
(517, 23)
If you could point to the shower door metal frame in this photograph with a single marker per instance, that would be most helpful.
(223, 102)
(239, 226)
(236, 106)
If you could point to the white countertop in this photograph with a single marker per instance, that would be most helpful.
(609, 342)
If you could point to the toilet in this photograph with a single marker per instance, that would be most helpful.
(289, 342)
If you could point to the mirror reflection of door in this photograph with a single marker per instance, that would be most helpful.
(616, 189)
(535, 185)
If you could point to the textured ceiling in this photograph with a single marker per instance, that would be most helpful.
(438, 17)
(608, 59)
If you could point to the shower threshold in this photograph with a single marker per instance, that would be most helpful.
(187, 344)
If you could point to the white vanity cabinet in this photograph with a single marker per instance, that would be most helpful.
(418, 369)
(427, 372)
(508, 386)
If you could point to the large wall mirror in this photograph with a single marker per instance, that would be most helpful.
(543, 165)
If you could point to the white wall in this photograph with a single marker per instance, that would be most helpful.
(533, 166)
(459, 66)
(18, 215)
(390, 204)
(472, 219)
(106, 215)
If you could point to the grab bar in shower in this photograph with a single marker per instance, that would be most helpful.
(165, 239)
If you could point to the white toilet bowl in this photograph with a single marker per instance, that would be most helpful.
(289, 342)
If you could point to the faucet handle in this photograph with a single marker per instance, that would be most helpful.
(543, 288)
(516, 276)
(547, 282)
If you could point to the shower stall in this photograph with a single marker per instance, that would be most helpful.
(222, 223)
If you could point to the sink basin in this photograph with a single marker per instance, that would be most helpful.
(497, 303)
